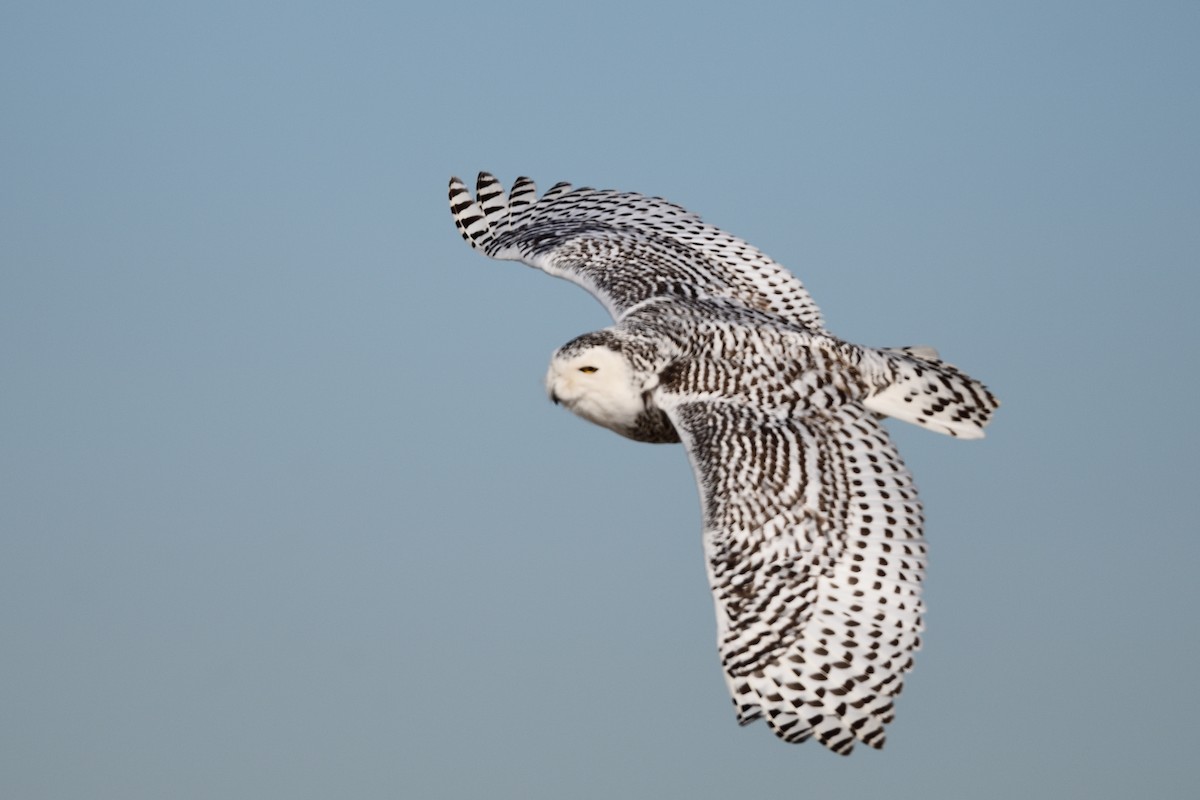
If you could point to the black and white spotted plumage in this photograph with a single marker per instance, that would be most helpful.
(812, 525)
(624, 248)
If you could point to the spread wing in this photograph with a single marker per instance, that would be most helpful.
(624, 248)
(815, 557)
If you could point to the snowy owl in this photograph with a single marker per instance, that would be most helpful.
(812, 526)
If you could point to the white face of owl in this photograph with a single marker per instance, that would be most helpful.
(598, 384)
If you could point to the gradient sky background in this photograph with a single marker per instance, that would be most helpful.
(286, 513)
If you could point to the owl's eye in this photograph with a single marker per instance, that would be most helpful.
(587, 370)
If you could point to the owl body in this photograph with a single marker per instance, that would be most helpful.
(813, 531)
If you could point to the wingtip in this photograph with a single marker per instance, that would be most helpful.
(460, 196)
(485, 181)
(468, 217)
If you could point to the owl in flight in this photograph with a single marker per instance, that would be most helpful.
(812, 525)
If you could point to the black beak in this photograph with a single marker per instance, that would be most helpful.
(554, 398)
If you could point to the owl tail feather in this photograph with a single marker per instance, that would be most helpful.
(927, 391)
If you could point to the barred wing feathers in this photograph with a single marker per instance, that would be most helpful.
(813, 540)
(624, 248)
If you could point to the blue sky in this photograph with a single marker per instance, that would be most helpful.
(287, 514)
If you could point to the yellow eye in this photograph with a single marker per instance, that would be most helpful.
(588, 370)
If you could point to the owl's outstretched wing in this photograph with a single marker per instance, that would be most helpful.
(812, 534)
(624, 248)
